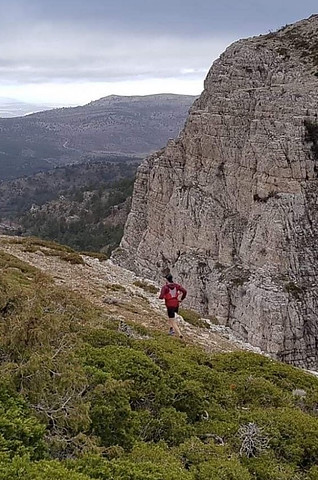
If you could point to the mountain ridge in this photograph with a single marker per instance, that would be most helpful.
(134, 126)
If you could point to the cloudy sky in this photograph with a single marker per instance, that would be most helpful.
(73, 51)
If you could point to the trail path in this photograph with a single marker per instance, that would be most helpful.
(112, 288)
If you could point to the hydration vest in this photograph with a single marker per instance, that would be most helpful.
(172, 293)
(171, 296)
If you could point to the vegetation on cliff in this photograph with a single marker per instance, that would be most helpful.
(311, 136)
(82, 399)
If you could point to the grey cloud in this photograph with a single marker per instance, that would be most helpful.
(46, 40)
(188, 17)
(74, 52)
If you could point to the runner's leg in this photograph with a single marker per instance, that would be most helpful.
(175, 325)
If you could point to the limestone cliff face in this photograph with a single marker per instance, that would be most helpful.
(231, 205)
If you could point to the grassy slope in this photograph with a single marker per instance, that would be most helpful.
(80, 399)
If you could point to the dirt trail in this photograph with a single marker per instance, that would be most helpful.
(112, 288)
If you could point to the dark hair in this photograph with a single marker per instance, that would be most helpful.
(169, 277)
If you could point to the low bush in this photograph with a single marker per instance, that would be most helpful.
(193, 318)
(99, 255)
(146, 286)
(33, 242)
(115, 287)
(73, 257)
(229, 469)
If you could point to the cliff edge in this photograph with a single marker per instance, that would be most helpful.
(230, 206)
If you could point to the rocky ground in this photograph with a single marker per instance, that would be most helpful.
(113, 289)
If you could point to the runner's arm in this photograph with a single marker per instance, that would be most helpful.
(183, 291)
(162, 293)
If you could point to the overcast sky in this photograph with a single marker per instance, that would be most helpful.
(74, 51)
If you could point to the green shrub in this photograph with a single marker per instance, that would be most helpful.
(125, 469)
(146, 286)
(313, 473)
(171, 426)
(10, 262)
(115, 287)
(73, 258)
(49, 248)
(229, 469)
(99, 255)
(257, 391)
(193, 318)
(213, 319)
(20, 431)
(113, 420)
(192, 399)
(194, 451)
(280, 374)
(268, 468)
(145, 462)
(33, 242)
(105, 336)
(293, 435)
(22, 468)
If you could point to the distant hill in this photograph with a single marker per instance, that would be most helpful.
(10, 107)
(133, 126)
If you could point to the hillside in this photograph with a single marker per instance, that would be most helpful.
(131, 126)
(82, 205)
(90, 218)
(93, 388)
(17, 196)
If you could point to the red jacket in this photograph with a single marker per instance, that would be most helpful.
(170, 293)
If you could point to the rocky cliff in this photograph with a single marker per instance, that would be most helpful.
(230, 206)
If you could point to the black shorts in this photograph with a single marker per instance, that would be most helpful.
(171, 311)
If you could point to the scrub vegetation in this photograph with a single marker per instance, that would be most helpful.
(82, 399)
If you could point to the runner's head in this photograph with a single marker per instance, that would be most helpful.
(169, 278)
